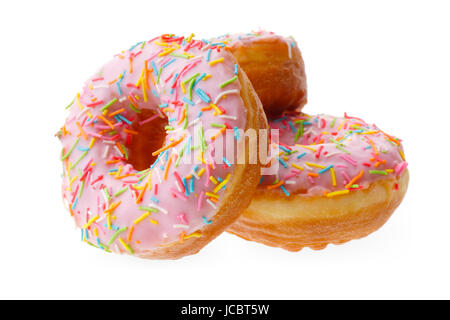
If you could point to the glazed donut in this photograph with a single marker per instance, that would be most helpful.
(128, 142)
(274, 65)
(338, 179)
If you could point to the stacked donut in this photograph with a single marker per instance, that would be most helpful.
(144, 172)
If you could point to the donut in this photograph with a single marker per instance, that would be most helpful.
(139, 170)
(274, 65)
(336, 179)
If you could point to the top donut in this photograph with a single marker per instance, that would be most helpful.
(140, 173)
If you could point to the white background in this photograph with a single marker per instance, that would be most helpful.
(385, 61)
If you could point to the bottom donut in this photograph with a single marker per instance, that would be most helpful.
(318, 221)
(338, 179)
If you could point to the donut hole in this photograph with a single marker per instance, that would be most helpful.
(149, 138)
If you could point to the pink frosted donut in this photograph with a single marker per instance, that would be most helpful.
(274, 65)
(336, 179)
(139, 170)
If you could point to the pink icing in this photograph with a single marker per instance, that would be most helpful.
(245, 39)
(343, 147)
(97, 176)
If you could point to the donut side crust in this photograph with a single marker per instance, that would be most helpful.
(298, 221)
(278, 79)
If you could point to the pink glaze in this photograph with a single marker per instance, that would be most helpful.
(343, 147)
(96, 174)
(246, 39)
